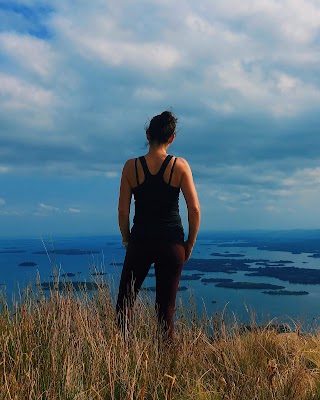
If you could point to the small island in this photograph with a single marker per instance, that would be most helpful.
(285, 292)
(68, 274)
(193, 277)
(272, 264)
(248, 285)
(77, 286)
(68, 252)
(98, 273)
(294, 246)
(227, 254)
(219, 265)
(307, 276)
(215, 280)
(27, 264)
(12, 251)
(153, 289)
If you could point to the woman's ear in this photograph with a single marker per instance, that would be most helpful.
(172, 138)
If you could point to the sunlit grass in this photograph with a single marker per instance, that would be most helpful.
(66, 345)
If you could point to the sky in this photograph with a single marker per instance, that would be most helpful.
(79, 82)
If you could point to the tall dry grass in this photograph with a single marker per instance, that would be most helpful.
(67, 346)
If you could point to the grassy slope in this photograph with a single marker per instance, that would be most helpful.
(67, 347)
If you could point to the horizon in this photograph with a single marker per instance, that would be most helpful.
(202, 235)
(77, 88)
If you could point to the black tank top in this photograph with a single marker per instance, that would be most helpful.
(156, 207)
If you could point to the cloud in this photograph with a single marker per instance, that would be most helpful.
(305, 177)
(29, 52)
(77, 87)
(46, 209)
(97, 78)
(2, 201)
(30, 102)
(73, 210)
(4, 169)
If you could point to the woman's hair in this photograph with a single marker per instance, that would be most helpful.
(161, 127)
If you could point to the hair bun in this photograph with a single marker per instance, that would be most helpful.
(162, 126)
(166, 117)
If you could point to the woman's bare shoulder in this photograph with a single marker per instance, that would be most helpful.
(182, 164)
(128, 165)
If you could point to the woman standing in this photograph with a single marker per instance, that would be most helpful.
(157, 234)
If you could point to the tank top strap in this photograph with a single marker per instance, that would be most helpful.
(144, 166)
(174, 163)
(164, 165)
(136, 168)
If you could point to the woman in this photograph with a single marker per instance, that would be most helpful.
(157, 235)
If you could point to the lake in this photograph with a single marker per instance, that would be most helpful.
(105, 253)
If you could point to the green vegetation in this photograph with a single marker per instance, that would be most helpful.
(66, 345)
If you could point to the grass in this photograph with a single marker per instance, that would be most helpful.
(66, 345)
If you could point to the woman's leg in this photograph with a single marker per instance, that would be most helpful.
(136, 265)
(168, 267)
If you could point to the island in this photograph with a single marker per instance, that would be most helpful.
(153, 288)
(56, 276)
(229, 266)
(27, 264)
(116, 264)
(215, 280)
(280, 263)
(68, 252)
(69, 286)
(193, 277)
(227, 254)
(307, 276)
(294, 245)
(286, 292)
(12, 251)
(98, 273)
(248, 285)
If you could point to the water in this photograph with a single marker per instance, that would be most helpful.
(14, 278)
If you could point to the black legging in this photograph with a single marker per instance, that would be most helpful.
(168, 259)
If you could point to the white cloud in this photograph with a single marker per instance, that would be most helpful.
(4, 169)
(145, 93)
(111, 174)
(30, 53)
(105, 42)
(74, 210)
(47, 207)
(2, 201)
(17, 93)
(272, 209)
(302, 179)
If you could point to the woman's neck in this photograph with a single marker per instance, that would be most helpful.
(158, 150)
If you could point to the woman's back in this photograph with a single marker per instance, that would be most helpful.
(156, 202)
(154, 163)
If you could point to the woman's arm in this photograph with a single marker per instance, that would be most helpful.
(190, 194)
(124, 204)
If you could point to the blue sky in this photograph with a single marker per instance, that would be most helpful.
(78, 83)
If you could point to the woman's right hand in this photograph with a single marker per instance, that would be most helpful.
(188, 249)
